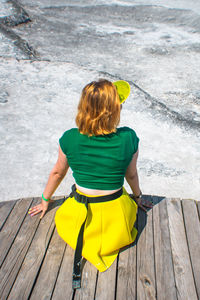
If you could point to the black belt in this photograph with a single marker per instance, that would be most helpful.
(76, 277)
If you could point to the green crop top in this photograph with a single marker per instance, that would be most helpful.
(99, 162)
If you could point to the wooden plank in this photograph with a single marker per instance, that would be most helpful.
(63, 289)
(5, 209)
(33, 260)
(15, 257)
(88, 283)
(106, 283)
(12, 225)
(50, 267)
(181, 260)
(146, 288)
(198, 208)
(165, 281)
(192, 226)
(126, 276)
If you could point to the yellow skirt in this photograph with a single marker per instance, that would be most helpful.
(109, 226)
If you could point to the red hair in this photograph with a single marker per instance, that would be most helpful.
(98, 109)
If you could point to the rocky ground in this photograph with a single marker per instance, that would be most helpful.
(50, 49)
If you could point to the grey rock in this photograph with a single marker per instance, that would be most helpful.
(50, 50)
(197, 94)
(4, 97)
(158, 50)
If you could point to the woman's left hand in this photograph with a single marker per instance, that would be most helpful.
(142, 203)
(42, 207)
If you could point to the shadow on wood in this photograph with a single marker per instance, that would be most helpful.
(141, 219)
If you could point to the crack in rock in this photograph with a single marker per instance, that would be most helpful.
(19, 42)
(20, 16)
(160, 108)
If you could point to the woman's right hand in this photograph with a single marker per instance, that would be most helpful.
(42, 207)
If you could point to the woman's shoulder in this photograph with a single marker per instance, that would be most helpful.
(68, 138)
(70, 132)
(129, 136)
(126, 131)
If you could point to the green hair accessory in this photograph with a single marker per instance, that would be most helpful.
(123, 89)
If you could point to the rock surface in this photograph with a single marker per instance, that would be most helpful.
(49, 52)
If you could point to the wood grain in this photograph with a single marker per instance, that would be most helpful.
(163, 264)
(165, 281)
(106, 283)
(192, 226)
(181, 260)
(126, 279)
(15, 257)
(34, 258)
(146, 287)
(12, 225)
(50, 267)
(63, 289)
(5, 209)
(198, 208)
(88, 283)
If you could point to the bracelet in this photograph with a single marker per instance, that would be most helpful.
(47, 200)
(139, 196)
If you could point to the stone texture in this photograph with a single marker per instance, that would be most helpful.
(48, 52)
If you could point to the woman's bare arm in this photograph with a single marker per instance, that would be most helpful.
(133, 180)
(132, 175)
(56, 176)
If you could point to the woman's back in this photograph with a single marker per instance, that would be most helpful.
(99, 162)
(100, 156)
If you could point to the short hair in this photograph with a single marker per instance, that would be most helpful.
(98, 109)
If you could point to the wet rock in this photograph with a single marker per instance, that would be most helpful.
(158, 51)
(155, 46)
(4, 97)
(19, 16)
(19, 42)
(197, 94)
(151, 167)
(166, 37)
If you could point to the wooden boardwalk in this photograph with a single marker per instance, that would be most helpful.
(164, 262)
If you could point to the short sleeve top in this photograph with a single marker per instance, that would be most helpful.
(99, 162)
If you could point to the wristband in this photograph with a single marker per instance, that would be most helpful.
(139, 196)
(47, 200)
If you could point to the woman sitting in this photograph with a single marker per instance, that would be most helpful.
(98, 217)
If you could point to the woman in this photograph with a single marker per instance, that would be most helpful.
(98, 217)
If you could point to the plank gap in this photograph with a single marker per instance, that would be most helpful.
(173, 267)
(96, 285)
(20, 225)
(198, 208)
(14, 203)
(145, 257)
(186, 234)
(64, 280)
(154, 251)
(116, 277)
(58, 272)
(45, 252)
(73, 294)
(12, 284)
(180, 253)
(136, 254)
(165, 281)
